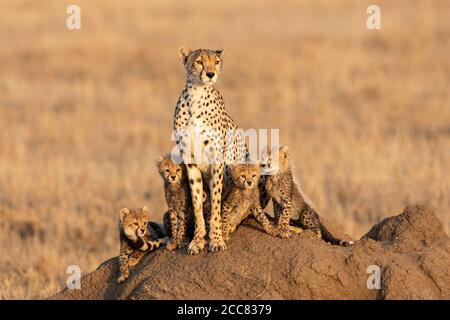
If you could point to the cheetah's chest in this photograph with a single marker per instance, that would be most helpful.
(243, 200)
(199, 119)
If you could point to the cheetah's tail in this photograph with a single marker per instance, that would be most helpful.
(327, 236)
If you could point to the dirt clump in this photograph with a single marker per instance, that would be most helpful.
(411, 250)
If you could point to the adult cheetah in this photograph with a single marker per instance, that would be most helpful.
(207, 140)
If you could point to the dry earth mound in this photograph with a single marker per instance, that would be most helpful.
(411, 249)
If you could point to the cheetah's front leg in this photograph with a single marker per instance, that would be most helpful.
(262, 219)
(123, 263)
(283, 213)
(264, 185)
(216, 242)
(196, 185)
(171, 223)
(226, 230)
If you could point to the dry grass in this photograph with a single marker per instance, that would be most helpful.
(83, 114)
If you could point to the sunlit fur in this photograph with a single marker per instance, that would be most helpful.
(170, 171)
(246, 176)
(179, 219)
(134, 222)
(138, 237)
(200, 63)
(201, 106)
(275, 160)
(291, 206)
(243, 200)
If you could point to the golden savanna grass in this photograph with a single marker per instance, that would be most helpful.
(84, 114)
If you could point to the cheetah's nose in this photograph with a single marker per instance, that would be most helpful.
(173, 177)
(210, 74)
(249, 183)
(142, 230)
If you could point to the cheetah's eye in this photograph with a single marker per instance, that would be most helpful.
(178, 170)
(167, 171)
(243, 177)
(145, 223)
(199, 62)
(217, 62)
(136, 224)
(254, 176)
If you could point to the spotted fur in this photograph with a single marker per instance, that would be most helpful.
(138, 236)
(202, 129)
(244, 200)
(292, 210)
(179, 218)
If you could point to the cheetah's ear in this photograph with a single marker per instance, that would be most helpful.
(159, 160)
(264, 152)
(285, 151)
(184, 53)
(146, 212)
(123, 212)
(219, 53)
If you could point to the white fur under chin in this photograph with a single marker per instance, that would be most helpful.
(130, 234)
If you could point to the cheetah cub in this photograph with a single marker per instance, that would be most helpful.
(243, 200)
(289, 202)
(178, 221)
(138, 236)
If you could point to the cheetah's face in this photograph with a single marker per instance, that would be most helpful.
(275, 159)
(246, 176)
(134, 222)
(202, 65)
(169, 170)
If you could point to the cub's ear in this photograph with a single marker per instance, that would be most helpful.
(123, 212)
(146, 212)
(184, 53)
(285, 151)
(159, 161)
(219, 53)
(264, 152)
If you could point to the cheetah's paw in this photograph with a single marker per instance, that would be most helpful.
(284, 233)
(122, 278)
(226, 237)
(196, 246)
(182, 243)
(217, 245)
(171, 245)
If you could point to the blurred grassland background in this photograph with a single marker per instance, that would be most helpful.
(84, 114)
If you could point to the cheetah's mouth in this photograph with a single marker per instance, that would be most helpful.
(208, 81)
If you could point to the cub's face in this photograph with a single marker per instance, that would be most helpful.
(169, 170)
(134, 222)
(275, 160)
(246, 176)
(202, 65)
